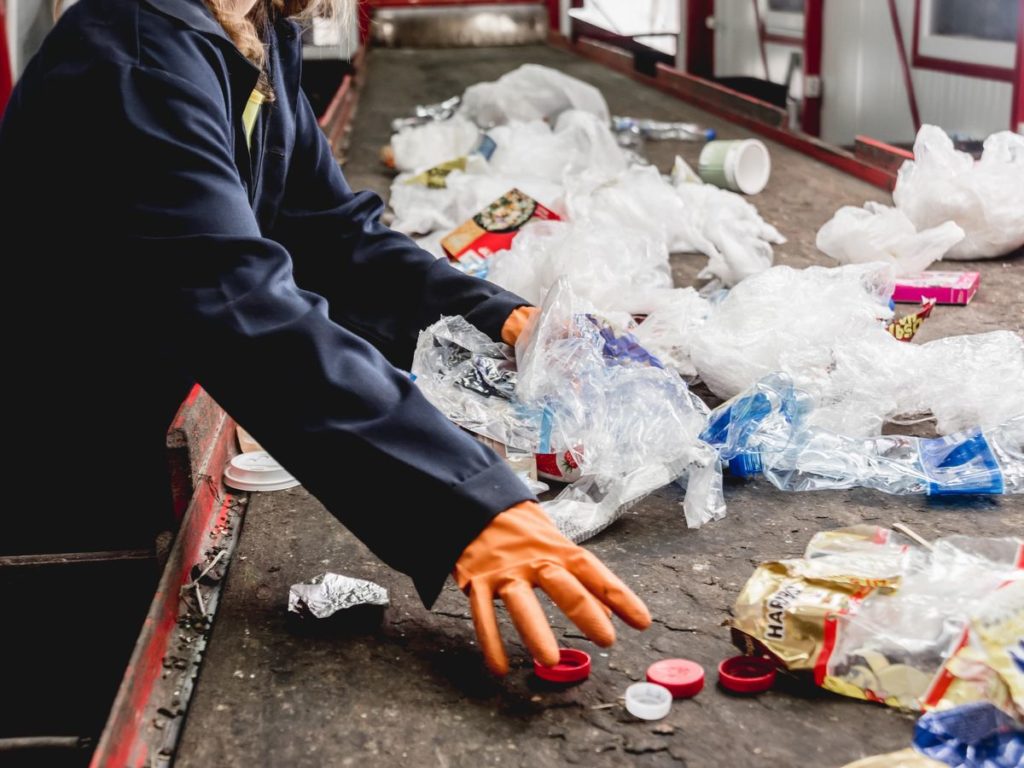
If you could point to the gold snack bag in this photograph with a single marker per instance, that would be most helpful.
(784, 614)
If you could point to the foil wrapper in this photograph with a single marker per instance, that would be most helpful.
(328, 593)
(428, 113)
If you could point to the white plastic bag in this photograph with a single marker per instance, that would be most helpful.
(617, 269)
(531, 92)
(985, 198)
(878, 232)
(424, 146)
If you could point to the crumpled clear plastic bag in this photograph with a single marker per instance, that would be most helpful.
(531, 92)
(424, 146)
(472, 381)
(878, 232)
(622, 269)
(674, 319)
(985, 198)
(612, 404)
(688, 216)
(824, 328)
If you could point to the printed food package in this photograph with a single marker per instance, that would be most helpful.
(877, 616)
(493, 229)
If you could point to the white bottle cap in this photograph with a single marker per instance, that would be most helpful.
(648, 701)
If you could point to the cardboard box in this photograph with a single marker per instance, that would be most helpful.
(944, 287)
(494, 228)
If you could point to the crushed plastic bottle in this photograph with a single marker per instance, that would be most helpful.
(657, 130)
(765, 431)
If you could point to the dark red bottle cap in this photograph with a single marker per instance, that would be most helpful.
(572, 667)
(746, 674)
(682, 677)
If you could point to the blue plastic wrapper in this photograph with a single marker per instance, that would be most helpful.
(975, 735)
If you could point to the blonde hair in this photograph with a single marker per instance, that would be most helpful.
(245, 31)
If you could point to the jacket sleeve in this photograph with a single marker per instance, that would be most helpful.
(379, 282)
(321, 399)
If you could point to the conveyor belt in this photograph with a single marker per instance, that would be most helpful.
(413, 692)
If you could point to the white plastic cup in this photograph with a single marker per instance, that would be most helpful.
(742, 166)
(648, 701)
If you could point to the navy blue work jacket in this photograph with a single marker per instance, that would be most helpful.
(155, 249)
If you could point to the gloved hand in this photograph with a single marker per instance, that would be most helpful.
(521, 549)
(516, 324)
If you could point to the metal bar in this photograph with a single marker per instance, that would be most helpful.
(814, 26)
(19, 743)
(1017, 106)
(908, 79)
(151, 702)
(75, 558)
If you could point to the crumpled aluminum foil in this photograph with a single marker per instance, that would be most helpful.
(328, 593)
(428, 113)
(631, 131)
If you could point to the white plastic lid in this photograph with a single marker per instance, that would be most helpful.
(257, 471)
(648, 701)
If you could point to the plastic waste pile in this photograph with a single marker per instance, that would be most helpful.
(824, 328)
(585, 388)
(553, 140)
(946, 206)
(875, 615)
(811, 356)
(767, 431)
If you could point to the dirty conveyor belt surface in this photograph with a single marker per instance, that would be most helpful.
(413, 691)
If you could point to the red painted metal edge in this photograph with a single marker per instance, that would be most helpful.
(880, 154)
(684, 86)
(152, 698)
(700, 41)
(554, 15)
(428, 3)
(1017, 106)
(908, 79)
(6, 76)
(609, 55)
(814, 30)
(336, 120)
(965, 68)
(771, 37)
(710, 93)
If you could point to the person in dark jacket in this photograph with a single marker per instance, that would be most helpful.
(190, 224)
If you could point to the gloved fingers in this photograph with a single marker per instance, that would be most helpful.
(481, 605)
(530, 621)
(607, 588)
(585, 611)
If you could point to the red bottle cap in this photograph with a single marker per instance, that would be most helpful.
(572, 667)
(746, 674)
(683, 678)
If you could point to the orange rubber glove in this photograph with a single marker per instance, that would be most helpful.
(521, 549)
(516, 323)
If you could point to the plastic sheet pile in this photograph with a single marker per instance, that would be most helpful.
(947, 206)
(875, 615)
(825, 329)
(766, 432)
(583, 388)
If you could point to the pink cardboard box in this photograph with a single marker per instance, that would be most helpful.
(944, 287)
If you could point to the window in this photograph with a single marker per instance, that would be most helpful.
(973, 37)
(786, 6)
(783, 18)
(980, 19)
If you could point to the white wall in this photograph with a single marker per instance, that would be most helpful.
(737, 51)
(28, 21)
(863, 88)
